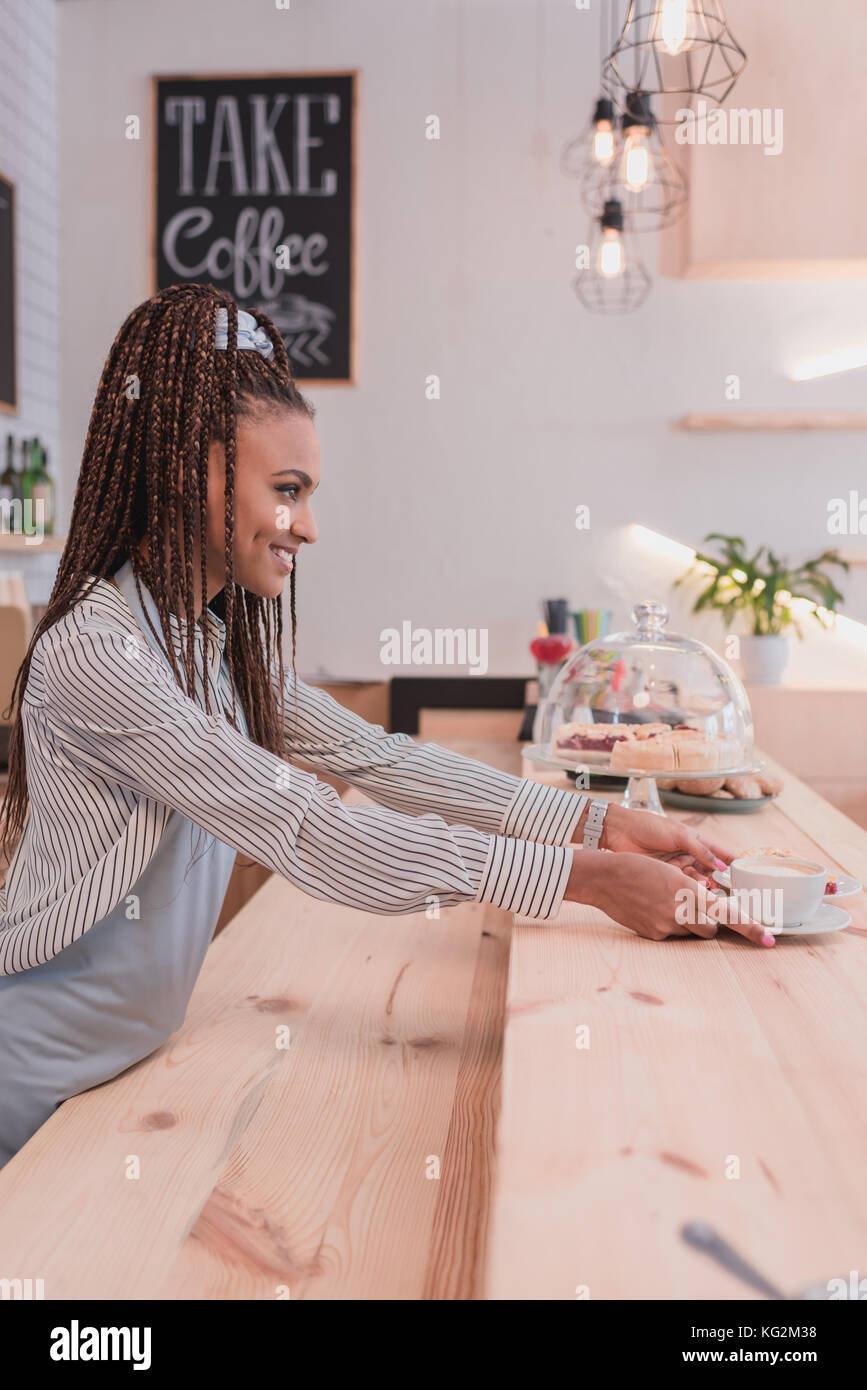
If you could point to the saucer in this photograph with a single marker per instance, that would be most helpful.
(828, 918)
(846, 885)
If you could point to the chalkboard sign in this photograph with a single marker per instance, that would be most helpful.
(8, 393)
(254, 192)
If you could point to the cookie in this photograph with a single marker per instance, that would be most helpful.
(771, 786)
(744, 788)
(704, 786)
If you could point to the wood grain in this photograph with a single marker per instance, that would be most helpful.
(310, 1170)
(268, 1172)
(722, 1083)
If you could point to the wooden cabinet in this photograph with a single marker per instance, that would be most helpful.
(818, 735)
(779, 193)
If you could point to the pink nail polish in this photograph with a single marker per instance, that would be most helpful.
(768, 940)
(720, 863)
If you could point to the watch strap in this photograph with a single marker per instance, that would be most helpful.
(594, 823)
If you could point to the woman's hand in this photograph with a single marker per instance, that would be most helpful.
(641, 832)
(653, 898)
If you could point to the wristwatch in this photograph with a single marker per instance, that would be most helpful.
(594, 823)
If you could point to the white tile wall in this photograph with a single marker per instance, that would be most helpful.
(28, 156)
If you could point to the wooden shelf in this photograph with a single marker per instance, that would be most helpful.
(737, 421)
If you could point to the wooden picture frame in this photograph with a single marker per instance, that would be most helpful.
(8, 328)
(351, 379)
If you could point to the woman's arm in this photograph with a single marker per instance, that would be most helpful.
(121, 717)
(396, 771)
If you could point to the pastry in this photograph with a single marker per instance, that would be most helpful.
(699, 751)
(744, 788)
(703, 786)
(686, 749)
(695, 754)
(766, 851)
(593, 741)
(771, 786)
(722, 795)
(654, 753)
(647, 747)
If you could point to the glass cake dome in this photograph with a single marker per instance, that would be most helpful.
(647, 703)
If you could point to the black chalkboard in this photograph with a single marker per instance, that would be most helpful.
(254, 192)
(7, 296)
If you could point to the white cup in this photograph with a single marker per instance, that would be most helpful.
(778, 892)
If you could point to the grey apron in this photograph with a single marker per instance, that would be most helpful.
(122, 989)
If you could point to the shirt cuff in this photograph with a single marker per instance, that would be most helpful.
(542, 813)
(525, 876)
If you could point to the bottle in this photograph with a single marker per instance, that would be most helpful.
(8, 480)
(29, 473)
(42, 489)
(25, 464)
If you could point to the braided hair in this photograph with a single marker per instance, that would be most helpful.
(164, 396)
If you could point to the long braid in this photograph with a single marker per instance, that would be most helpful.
(164, 395)
(229, 449)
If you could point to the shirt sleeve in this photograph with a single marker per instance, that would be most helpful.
(123, 718)
(394, 770)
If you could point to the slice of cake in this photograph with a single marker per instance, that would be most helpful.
(655, 753)
(694, 752)
(698, 752)
(593, 742)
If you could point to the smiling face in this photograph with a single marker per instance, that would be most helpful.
(276, 473)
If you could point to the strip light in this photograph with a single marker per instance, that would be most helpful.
(662, 545)
(812, 368)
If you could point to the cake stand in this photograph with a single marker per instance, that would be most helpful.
(641, 792)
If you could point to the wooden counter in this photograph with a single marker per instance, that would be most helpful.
(358, 1161)
(719, 1082)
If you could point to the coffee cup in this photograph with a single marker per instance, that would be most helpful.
(778, 892)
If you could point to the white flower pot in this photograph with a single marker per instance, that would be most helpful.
(763, 659)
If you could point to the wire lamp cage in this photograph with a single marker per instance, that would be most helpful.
(674, 48)
(613, 278)
(642, 176)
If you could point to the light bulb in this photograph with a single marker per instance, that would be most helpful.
(674, 26)
(638, 169)
(603, 143)
(610, 263)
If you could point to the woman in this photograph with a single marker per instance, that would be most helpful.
(192, 505)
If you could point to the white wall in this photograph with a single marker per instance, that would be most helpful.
(28, 157)
(460, 513)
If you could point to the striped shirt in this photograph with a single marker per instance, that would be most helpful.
(113, 745)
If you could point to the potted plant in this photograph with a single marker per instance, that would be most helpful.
(767, 592)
